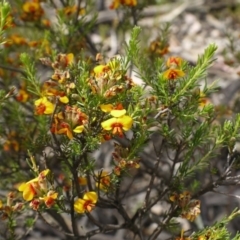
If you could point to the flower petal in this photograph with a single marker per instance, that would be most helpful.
(107, 125)
(79, 205)
(78, 129)
(29, 192)
(91, 196)
(106, 107)
(118, 113)
(64, 99)
(126, 121)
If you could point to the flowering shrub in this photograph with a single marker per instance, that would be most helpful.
(61, 100)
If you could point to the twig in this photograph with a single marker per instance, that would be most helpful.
(53, 226)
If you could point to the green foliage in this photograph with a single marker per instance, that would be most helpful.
(61, 101)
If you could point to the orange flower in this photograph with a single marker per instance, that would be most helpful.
(22, 95)
(172, 74)
(32, 11)
(63, 128)
(49, 200)
(11, 144)
(15, 39)
(43, 106)
(46, 23)
(174, 62)
(159, 47)
(116, 3)
(82, 181)
(87, 203)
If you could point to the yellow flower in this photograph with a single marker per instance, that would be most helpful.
(87, 203)
(100, 70)
(116, 3)
(172, 74)
(117, 124)
(43, 106)
(31, 188)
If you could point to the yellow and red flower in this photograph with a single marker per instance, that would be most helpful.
(118, 123)
(22, 95)
(109, 107)
(173, 73)
(87, 203)
(32, 188)
(43, 106)
(50, 199)
(32, 11)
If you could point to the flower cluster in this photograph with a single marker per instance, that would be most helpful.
(72, 120)
(190, 209)
(55, 93)
(109, 80)
(38, 190)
